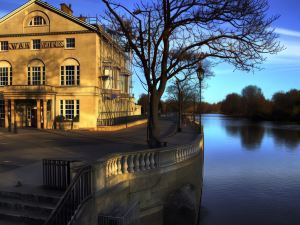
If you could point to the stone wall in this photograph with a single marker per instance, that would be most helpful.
(166, 184)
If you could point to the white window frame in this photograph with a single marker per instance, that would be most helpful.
(66, 73)
(34, 45)
(37, 21)
(73, 41)
(70, 108)
(33, 72)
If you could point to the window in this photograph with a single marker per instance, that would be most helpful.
(36, 76)
(36, 73)
(70, 73)
(37, 21)
(70, 109)
(107, 78)
(62, 75)
(70, 42)
(4, 46)
(5, 73)
(3, 76)
(124, 83)
(36, 44)
(116, 79)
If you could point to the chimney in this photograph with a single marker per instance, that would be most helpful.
(66, 8)
(82, 18)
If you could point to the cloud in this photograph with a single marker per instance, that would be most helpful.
(287, 32)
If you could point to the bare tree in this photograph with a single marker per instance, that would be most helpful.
(170, 37)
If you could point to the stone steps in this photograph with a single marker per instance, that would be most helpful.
(25, 208)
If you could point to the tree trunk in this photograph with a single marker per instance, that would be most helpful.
(179, 125)
(153, 123)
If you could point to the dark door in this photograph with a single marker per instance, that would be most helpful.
(2, 113)
(33, 117)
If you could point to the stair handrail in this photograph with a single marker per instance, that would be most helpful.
(71, 201)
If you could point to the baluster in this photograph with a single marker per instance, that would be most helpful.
(180, 155)
(148, 160)
(143, 161)
(137, 163)
(114, 164)
(119, 166)
(110, 168)
(152, 161)
(177, 155)
(131, 164)
(125, 164)
(107, 170)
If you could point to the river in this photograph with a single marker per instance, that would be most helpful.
(251, 172)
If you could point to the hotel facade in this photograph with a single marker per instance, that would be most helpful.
(55, 67)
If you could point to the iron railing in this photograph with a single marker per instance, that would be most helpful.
(56, 173)
(118, 120)
(79, 191)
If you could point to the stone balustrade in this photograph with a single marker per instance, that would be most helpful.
(135, 162)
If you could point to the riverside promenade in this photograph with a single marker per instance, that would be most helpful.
(109, 170)
(21, 153)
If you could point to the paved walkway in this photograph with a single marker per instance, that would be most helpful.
(21, 154)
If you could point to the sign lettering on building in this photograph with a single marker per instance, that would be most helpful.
(16, 46)
(44, 45)
(52, 44)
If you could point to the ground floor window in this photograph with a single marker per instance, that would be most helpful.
(70, 109)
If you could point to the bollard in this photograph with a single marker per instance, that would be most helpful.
(9, 127)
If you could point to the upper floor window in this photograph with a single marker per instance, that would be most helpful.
(4, 46)
(37, 21)
(36, 44)
(124, 85)
(70, 73)
(70, 42)
(36, 73)
(5, 74)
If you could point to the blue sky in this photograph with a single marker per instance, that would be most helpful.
(280, 73)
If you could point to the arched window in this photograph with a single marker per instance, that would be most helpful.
(36, 73)
(70, 73)
(5, 73)
(37, 21)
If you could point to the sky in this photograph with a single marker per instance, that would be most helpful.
(280, 72)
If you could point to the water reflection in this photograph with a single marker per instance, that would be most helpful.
(250, 187)
(288, 138)
(252, 134)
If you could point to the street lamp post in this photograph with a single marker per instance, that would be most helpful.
(150, 116)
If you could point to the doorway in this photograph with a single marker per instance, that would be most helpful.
(26, 112)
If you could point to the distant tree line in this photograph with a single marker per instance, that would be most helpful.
(252, 103)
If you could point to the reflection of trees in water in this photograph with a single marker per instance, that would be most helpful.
(251, 135)
(288, 138)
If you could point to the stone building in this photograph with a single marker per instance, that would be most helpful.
(58, 67)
